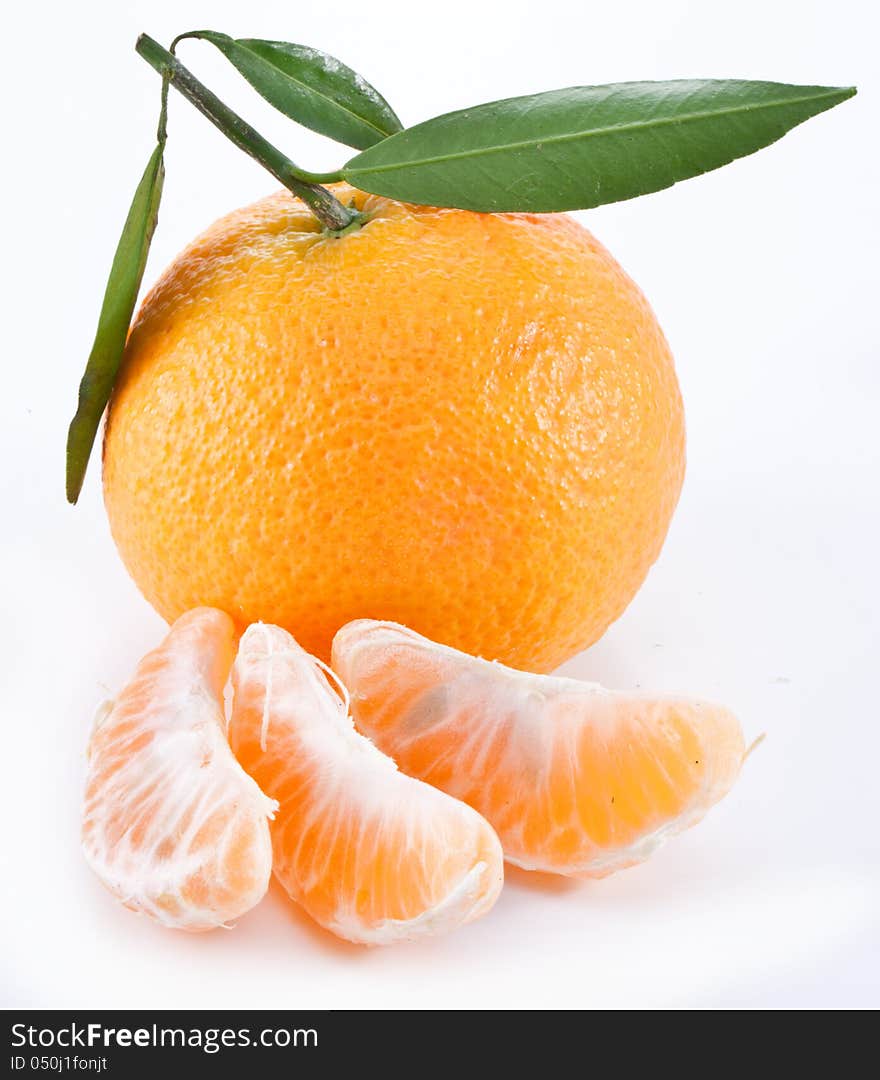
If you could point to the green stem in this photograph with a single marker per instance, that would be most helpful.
(326, 208)
(162, 129)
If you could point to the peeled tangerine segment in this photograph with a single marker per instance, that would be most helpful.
(372, 855)
(172, 824)
(576, 779)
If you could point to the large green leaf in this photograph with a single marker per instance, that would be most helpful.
(120, 297)
(310, 87)
(584, 146)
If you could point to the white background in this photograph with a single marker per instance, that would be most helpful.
(764, 276)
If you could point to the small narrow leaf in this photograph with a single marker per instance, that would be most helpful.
(310, 87)
(582, 147)
(116, 312)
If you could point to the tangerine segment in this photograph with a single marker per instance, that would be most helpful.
(172, 824)
(576, 779)
(371, 854)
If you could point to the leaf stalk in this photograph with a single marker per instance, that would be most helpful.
(323, 204)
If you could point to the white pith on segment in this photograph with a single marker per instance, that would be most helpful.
(541, 734)
(346, 811)
(169, 815)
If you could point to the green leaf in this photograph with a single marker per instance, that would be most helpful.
(120, 297)
(582, 147)
(310, 87)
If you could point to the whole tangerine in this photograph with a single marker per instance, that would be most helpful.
(468, 423)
